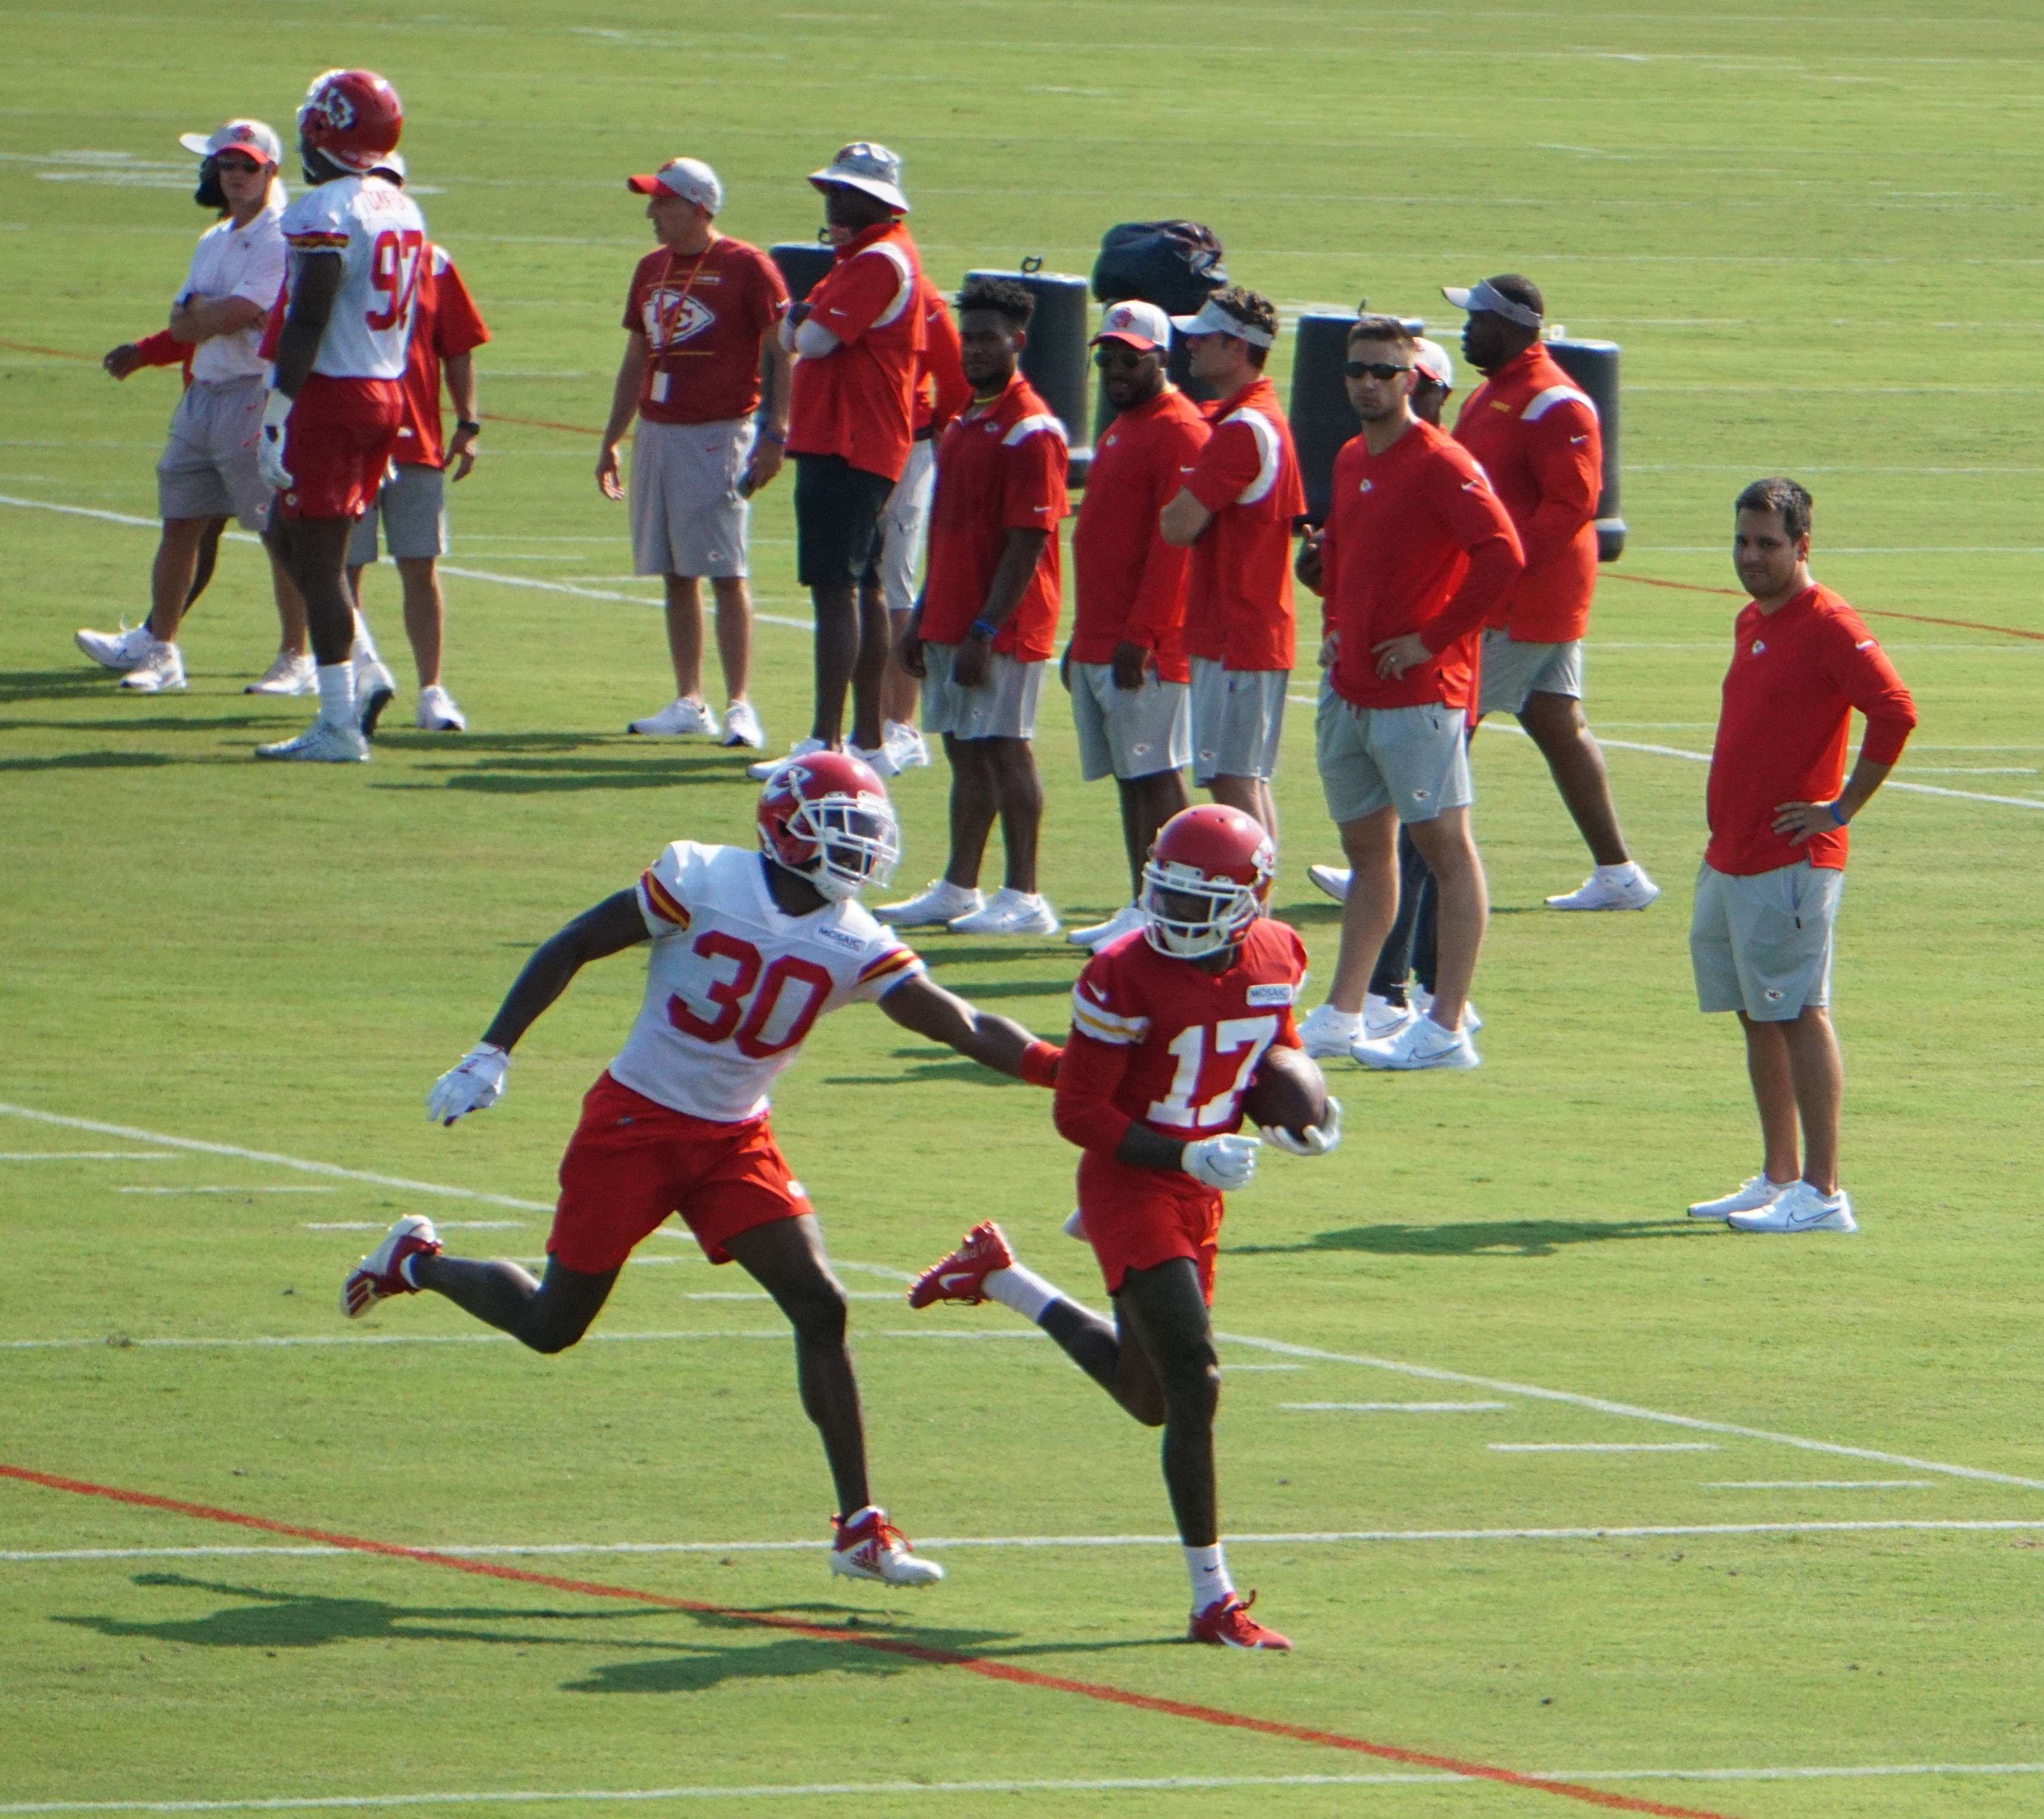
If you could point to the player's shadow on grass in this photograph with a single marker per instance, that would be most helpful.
(937, 952)
(91, 761)
(53, 684)
(516, 776)
(1487, 1237)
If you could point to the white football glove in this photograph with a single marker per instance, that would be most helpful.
(475, 1085)
(269, 442)
(1221, 1162)
(1315, 1140)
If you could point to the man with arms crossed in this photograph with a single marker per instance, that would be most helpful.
(1417, 550)
(987, 623)
(1125, 666)
(700, 315)
(1235, 512)
(748, 948)
(1767, 895)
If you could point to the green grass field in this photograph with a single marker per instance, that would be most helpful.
(1814, 232)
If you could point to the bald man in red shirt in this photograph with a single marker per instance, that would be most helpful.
(1767, 898)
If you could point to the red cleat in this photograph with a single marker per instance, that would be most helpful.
(961, 1276)
(1227, 1624)
(379, 1276)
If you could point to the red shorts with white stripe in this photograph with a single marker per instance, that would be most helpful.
(632, 1162)
(1136, 1218)
(337, 442)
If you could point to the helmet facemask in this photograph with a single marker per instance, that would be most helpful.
(1190, 915)
(855, 842)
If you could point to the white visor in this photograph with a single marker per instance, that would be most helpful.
(1213, 319)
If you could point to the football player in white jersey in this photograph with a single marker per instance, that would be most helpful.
(336, 404)
(748, 950)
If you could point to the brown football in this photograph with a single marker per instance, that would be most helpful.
(1286, 1090)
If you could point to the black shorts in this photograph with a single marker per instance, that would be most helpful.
(837, 520)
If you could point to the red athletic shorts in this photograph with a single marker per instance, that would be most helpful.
(632, 1162)
(1136, 1218)
(336, 444)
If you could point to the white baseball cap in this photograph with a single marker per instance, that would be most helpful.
(863, 165)
(1213, 319)
(1431, 359)
(690, 178)
(250, 137)
(1142, 326)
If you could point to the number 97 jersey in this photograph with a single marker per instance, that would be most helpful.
(381, 237)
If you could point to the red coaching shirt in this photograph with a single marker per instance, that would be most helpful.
(942, 389)
(1415, 541)
(1001, 467)
(1796, 675)
(858, 402)
(704, 317)
(1537, 435)
(1239, 592)
(1130, 584)
(445, 324)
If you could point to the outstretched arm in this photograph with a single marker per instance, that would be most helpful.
(920, 1004)
(613, 925)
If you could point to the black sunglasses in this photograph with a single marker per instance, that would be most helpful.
(1121, 355)
(1376, 369)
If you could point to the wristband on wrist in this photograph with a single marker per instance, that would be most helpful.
(1837, 817)
(985, 628)
(779, 441)
(469, 424)
(1038, 1065)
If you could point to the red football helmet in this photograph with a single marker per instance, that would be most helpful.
(827, 817)
(351, 118)
(1207, 875)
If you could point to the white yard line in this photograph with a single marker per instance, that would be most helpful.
(1401, 1408)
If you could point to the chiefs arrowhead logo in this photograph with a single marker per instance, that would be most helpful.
(690, 317)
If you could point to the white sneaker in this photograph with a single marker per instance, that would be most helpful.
(437, 713)
(1009, 913)
(321, 744)
(767, 767)
(1749, 1196)
(906, 744)
(290, 673)
(375, 690)
(880, 761)
(1633, 891)
(1798, 1207)
(932, 907)
(1423, 1043)
(1423, 1002)
(1382, 1019)
(120, 650)
(678, 719)
(1124, 921)
(160, 671)
(1326, 1032)
(1332, 879)
(869, 1546)
(380, 1274)
(742, 728)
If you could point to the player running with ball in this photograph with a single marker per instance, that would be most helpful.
(1170, 1025)
(748, 950)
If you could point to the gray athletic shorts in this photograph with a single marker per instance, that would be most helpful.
(1237, 715)
(1762, 944)
(1511, 671)
(1004, 706)
(687, 518)
(413, 509)
(1129, 732)
(1412, 759)
(904, 524)
(208, 467)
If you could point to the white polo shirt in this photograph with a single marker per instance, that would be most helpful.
(238, 262)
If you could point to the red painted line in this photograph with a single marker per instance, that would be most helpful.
(1864, 612)
(977, 1664)
(54, 353)
(538, 423)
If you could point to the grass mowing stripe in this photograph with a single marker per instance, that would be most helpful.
(997, 1671)
(1864, 612)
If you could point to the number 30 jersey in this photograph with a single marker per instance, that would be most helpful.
(381, 237)
(733, 983)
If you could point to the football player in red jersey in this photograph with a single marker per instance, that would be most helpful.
(748, 950)
(1168, 1023)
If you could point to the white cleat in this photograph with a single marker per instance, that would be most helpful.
(120, 650)
(1332, 879)
(290, 673)
(437, 713)
(742, 728)
(1633, 892)
(880, 761)
(161, 671)
(906, 744)
(1751, 1196)
(767, 767)
(935, 906)
(321, 744)
(1799, 1208)
(679, 720)
(1382, 1019)
(1423, 1002)
(869, 1546)
(380, 1275)
(375, 690)
(1009, 913)
(1124, 921)
(1423, 1043)
(1326, 1032)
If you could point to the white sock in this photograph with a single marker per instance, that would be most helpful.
(336, 694)
(364, 646)
(1344, 1022)
(1023, 1291)
(405, 1269)
(1619, 874)
(1209, 1576)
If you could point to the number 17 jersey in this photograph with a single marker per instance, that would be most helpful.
(381, 237)
(733, 983)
